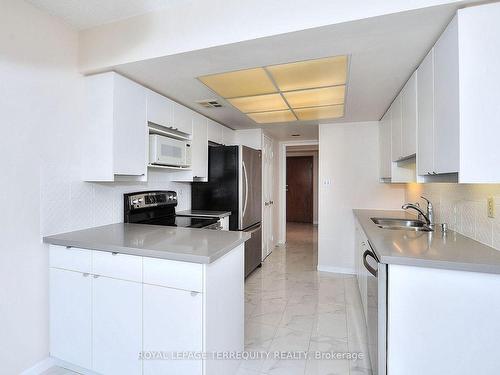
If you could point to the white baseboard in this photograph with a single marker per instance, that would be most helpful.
(40, 367)
(347, 271)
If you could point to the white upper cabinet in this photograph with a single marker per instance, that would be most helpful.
(200, 148)
(446, 101)
(404, 121)
(458, 101)
(115, 138)
(425, 126)
(451, 104)
(228, 136)
(397, 129)
(183, 119)
(215, 132)
(479, 33)
(169, 114)
(385, 146)
(409, 117)
(160, 110)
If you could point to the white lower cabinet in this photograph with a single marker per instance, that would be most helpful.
(71, 316)
(101, 322)
(168, 329)
(117, 326)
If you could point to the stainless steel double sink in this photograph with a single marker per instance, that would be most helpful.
(401, 224)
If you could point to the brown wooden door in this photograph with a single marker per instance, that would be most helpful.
(299, 196)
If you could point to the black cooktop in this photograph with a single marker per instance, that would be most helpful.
(181, 221)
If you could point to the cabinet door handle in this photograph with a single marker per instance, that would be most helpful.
(95, 276)
(85, 274)
(194, 294)
(114, 253)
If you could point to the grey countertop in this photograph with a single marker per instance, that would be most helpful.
(203, 213)
(182, 244)
(426, 249)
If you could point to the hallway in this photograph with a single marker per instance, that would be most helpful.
(291, 307)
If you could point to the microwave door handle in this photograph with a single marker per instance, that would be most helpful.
(245, 176)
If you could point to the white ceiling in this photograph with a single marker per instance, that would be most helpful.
(384, 51)
(83, 14)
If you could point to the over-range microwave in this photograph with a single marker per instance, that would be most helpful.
(169, 151)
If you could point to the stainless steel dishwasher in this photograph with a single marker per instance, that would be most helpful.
(376, 314)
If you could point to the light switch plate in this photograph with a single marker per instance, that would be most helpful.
(491, 207)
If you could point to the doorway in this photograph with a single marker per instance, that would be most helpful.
(299, 189)
(294, 149)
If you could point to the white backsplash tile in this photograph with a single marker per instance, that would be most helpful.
(68, 203)
(463, 207)
(468, 225)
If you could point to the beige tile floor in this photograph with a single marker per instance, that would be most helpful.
(289, 306)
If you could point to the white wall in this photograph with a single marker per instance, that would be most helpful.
(219, 22)
(37, 82)
(315, 156)
(348, 160)
(40, 98)
(463, 207)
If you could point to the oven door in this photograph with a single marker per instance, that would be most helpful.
(167, 151)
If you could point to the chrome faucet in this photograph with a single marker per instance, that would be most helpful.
(430, 211)
(428, 217)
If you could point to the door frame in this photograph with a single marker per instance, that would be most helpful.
(282, 183)
(264, 180)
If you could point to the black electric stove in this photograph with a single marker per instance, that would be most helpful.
(158, 208)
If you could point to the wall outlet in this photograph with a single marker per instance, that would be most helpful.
(491, 207)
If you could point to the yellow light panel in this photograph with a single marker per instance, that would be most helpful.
(315, 97)
(259, 103)
(329, 71)
(240, 83)
(270, 117)
(320, 113)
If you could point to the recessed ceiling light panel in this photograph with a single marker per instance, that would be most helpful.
(320, 113)
(330, 71)
(304, 90)
(270, 117)
(316, 97)
(259, 103)
(240, 83)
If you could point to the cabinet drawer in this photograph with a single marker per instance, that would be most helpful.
(118, 266)
(173, 274)
(70, 258)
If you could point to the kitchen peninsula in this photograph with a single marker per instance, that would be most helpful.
(125, 297)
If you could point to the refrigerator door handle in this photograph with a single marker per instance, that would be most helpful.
(245, 176)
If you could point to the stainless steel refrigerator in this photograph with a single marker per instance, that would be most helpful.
(235, 184)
